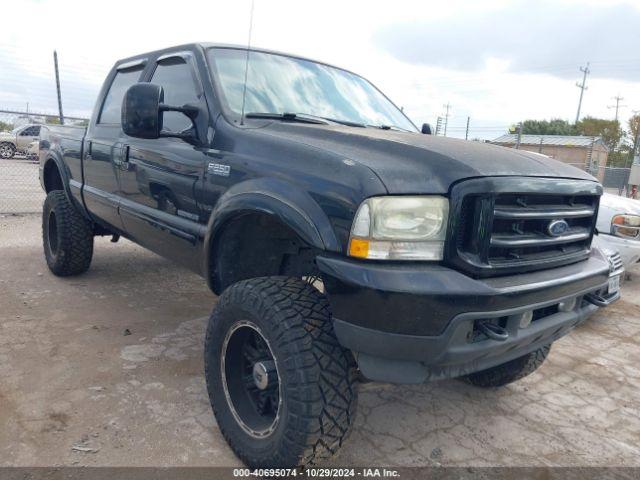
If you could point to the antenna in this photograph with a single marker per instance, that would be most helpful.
(246, 64)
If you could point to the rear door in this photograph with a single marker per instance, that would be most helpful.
(103, 149)
(158, 177)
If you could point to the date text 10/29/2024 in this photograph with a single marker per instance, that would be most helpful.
(317, 472)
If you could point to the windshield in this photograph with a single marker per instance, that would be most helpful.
(281, 84)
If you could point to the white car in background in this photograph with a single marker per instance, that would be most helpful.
(618, 227)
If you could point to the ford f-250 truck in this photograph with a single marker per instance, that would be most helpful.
(342, 240)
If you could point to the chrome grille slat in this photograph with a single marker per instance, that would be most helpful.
(514, 241)
(506, 225)
(616, 261)
(550, 212)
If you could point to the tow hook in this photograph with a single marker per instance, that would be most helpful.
(493, 331)
(600, 300)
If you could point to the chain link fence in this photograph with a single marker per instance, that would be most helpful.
(20, 190)
(614, 180)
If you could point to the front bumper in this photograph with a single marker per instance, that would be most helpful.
(414, 323)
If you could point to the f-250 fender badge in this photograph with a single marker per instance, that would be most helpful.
(219, 169)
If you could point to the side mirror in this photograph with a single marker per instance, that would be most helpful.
(426, 129)
(141, 115)
(142, 109)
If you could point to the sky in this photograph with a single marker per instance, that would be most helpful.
(497, 62)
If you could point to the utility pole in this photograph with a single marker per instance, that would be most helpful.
(582, 86)
(635, 153)
(447, 106)
(617, 106)
(438, 126)
(466, 132)
(519, 138)
(55, 64)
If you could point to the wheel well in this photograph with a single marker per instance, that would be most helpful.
(52, 177)
(258, 245)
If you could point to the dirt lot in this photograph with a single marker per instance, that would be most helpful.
(77, 389)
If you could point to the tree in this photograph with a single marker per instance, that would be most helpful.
(555, 126)
(52, 120)
(634, 127)
(609, 130)
(4, 126)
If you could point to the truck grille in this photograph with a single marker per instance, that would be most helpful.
(616, 261)
(500, 231)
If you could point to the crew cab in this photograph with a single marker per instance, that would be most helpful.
(18, 140)
(343, 241)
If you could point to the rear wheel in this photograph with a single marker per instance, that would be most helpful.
(509, 372)
(282, 389)
(7, 150)
(67, 236)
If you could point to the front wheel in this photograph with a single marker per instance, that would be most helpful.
(282, 389)
(7, 150)
(511, 371)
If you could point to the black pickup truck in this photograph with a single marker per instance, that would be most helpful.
(343, 241)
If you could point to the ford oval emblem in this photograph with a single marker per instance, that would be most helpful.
(557, 228)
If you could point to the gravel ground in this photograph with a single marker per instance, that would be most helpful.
(105, 369)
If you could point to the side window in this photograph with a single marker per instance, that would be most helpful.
(30, 132)
(174, 76)
(112, 105)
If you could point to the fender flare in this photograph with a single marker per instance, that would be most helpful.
(291, 206)
(64, 176)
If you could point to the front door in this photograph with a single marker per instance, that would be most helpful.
(26, 136)
(158, 177)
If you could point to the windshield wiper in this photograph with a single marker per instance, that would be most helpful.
(303, 117)
(289, 117)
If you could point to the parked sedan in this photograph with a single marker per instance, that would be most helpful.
(618, 227)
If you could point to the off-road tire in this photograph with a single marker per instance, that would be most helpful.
(511, 371)
(67, 236)
(317, 376)
(7, 150)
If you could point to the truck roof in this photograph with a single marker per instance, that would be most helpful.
(207, 45)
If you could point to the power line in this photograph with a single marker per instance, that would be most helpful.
(582, 86)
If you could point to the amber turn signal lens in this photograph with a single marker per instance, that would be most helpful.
(359, 248)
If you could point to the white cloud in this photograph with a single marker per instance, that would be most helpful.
(90, 37)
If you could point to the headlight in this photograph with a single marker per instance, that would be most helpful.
(626, 226)
(400, 228)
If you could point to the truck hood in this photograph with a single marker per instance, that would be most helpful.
(416, 163)
(6, 136)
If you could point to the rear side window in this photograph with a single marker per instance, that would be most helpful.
(30, 132)
(112, 105)
(174, 76)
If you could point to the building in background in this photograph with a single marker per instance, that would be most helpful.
(587, 153)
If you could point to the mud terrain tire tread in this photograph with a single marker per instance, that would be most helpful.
(511, 371)
(74, 236)
(317, 375)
